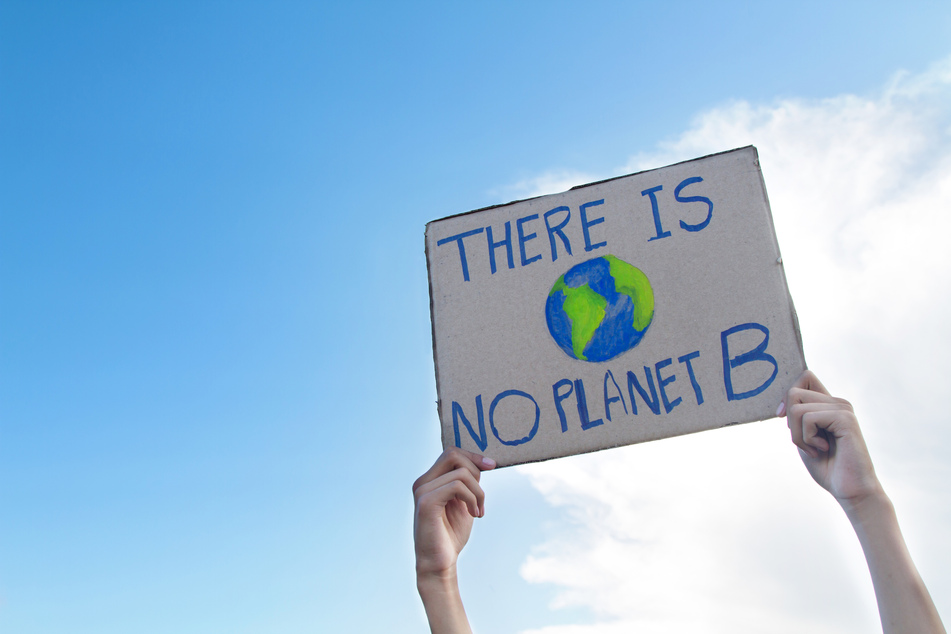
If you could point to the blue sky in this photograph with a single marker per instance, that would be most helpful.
(216, 381)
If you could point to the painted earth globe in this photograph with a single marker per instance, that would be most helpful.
(600, 308)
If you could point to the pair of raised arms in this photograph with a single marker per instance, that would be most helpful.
(823, 427)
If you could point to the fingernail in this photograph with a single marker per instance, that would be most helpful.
(781, 410)
(488, 463)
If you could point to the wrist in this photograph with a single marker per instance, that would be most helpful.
(439, 591)
(870, 507)
(437, 581)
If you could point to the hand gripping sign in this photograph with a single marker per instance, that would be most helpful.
(628, 310)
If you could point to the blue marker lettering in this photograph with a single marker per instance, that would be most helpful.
(586, 423)
(559, 398)
(557, 229)
(756, 354)
(656, 211)
(652, 401)
(694, 199)
(495, 245)
(585, 224)
(613, 399)
(693, 379)
(462, 249)
(663, 383)
(522, 239)
(497, 400)
(481, 440)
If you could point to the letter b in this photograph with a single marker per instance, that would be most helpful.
(756, 354)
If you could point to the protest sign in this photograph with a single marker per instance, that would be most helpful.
(632, 309)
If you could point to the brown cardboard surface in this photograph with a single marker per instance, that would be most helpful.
(722, 345)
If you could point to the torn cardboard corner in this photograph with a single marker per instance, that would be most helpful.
(628, 310)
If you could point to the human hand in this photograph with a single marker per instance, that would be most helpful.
(830, 443)
(831, 446)
(448, 497)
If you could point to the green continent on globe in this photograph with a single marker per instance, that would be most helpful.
(585, 309)
(630, 281)
(599, 308)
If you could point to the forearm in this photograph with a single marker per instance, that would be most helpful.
(904, 604)
(443, 603)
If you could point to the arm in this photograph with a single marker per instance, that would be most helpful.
(827, 433)
(448, 497)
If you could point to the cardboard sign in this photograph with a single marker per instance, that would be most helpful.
(628, 310)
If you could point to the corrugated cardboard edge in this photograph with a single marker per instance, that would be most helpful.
(432, 324)
(769, 215)
(793, 315)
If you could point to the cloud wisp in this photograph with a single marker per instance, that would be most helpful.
(724, 531)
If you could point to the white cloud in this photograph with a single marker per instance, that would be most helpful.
(724, 531)
(547, 183)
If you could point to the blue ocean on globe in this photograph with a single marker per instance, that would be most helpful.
(600, 309)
